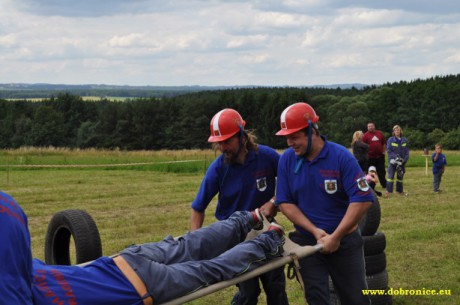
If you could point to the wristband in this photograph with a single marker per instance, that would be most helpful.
(272, 200)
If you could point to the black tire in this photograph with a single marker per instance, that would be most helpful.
(377, 281)
(370, 222)
(334, 298)
(381, 299)
(375, 263)
(81, 226)
(374, 244)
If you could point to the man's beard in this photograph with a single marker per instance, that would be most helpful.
(230, 158)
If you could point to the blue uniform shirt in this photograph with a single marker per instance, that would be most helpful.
(241, 187)
(100, 282)
(322, 188)
(439, 164)
(15, 254)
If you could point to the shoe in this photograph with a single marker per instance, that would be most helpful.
(258, 219)
(274, 226)
(403, 193)
(387, 195)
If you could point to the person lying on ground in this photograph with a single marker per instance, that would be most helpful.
(151, 273)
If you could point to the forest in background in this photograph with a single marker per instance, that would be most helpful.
(428, 111)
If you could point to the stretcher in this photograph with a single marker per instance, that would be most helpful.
(292, 253)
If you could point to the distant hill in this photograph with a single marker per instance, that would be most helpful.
(43, 90)
(342, 86)
(63, 87)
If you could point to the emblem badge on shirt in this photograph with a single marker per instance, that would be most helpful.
(362, 184)
(375, 138)
(262, 184)
(330, 186)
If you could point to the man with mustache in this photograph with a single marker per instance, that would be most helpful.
(244, 178)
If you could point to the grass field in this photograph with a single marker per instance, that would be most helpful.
(141, 203)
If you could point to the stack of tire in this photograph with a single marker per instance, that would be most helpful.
(374, 256)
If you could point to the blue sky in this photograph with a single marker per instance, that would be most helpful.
(193, 42)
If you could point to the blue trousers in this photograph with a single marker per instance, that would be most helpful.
(173, 268)
(437, 180)
(399, 179)
(345, 267)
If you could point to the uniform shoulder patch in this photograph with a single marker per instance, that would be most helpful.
(362, 184)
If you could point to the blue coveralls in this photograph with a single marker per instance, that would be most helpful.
(396, 147)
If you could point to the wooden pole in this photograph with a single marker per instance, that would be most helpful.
(426, 164)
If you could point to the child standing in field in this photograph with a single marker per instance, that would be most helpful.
(439, 163)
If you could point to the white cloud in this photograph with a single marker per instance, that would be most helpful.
(238, 42)
(255, 59)
(133, 39)
(282, 20)
(7, 41)
(268, 42)
(453, 59)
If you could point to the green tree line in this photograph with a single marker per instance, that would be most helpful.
(427, 110)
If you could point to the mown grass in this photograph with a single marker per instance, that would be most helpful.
(63, 156)
(137, 206)
(423, 237)
(164, 160)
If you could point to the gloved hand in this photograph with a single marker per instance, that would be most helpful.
(393, 161)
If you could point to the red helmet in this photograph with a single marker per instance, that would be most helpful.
(296, 117)
(225, 124)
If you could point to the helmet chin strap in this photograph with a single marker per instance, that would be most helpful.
(241, 132)
(303, 157)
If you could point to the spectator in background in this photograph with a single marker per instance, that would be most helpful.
(439, 165)
(373, 179)
(360, 150)
(377, 147)
(398, 154)
(244, 177)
